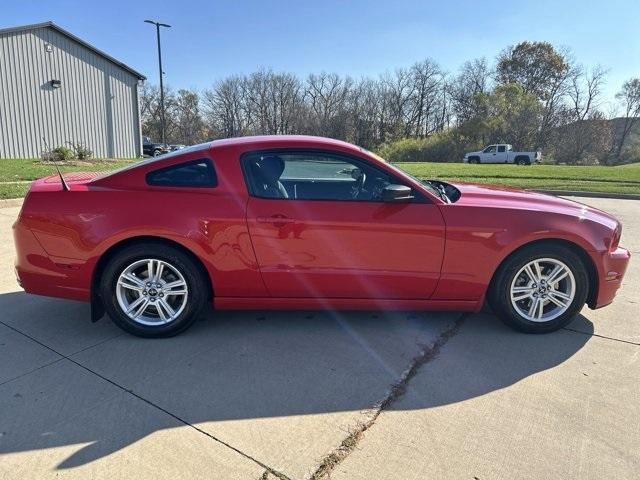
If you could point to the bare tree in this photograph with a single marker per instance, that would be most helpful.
(473, 79)
(326, 95)
(584, 141)
(629, 97)
(363, 106)
(150, 112)
(396, 92)
(272, 102)
(584, 92)
(584, 135)
(553, 113)
(223, 106)
(189, 127)
(533, 98)
(424, 115)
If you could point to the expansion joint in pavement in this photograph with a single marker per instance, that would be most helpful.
(591, 334)
(268, 470)
(397, 390)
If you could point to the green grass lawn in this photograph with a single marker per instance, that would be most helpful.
(12, 170)
(15, 175)
(622, 179)
(18, 190)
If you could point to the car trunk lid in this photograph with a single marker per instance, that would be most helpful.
(53, 182)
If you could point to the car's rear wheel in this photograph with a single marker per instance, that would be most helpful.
(523, 161)
(539, 289)
(153, 290)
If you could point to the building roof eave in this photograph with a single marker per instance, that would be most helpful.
(76, 39)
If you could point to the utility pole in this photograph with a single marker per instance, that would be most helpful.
(162, 120)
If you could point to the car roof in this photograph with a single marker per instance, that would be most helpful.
(265, 141)
(260, 141)
(280, 139)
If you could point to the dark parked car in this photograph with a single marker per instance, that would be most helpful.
(153, 149)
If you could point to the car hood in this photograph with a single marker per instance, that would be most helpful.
(512, 198)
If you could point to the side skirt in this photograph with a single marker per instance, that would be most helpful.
(239, 303)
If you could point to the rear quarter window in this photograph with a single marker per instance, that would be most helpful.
(196, 173)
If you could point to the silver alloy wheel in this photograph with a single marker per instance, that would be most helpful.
(152, 292)
(543, 290)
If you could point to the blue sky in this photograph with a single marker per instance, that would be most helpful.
(212, 39)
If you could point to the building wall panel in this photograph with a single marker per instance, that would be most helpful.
(97, 103)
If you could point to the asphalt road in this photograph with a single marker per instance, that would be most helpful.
(361, 395)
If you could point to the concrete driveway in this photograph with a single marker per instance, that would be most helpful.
(265, 395)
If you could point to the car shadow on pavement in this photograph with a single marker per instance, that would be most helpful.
(239, 376)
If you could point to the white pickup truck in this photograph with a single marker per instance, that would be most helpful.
(502, 153)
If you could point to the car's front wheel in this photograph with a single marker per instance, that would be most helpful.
(152, 290)
(539, 289)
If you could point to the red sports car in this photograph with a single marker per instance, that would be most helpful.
(295, 222)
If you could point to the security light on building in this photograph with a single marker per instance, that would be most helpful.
(58, 87)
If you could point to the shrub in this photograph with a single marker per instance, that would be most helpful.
(58, 154)
(438, 147)
(81, 151)
(76, 151)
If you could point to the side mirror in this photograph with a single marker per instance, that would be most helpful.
(397, 193)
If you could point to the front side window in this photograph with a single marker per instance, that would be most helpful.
(197, 173)
(309, 175)
(490, 149)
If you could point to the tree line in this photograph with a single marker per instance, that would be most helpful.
(534, 96)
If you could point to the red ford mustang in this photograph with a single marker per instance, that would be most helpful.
(294, 222)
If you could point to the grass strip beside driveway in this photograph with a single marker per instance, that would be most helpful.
(16, 175)
(621, 179)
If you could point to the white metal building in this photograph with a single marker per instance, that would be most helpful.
(56, 86)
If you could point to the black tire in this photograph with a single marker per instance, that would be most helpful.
(157, 152)
(523, 161)
(474, 160)
(499, 295)
(192, 274)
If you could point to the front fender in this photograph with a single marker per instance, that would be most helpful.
(480, 238)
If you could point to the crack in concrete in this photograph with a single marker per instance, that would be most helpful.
(265, 475)
(397, 390)
(268, 470)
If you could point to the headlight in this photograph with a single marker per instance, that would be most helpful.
(615, 239)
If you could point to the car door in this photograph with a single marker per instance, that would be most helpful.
(489, 154)
(501, 154)
(329, 234)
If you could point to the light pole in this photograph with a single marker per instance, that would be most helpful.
(158, 25)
